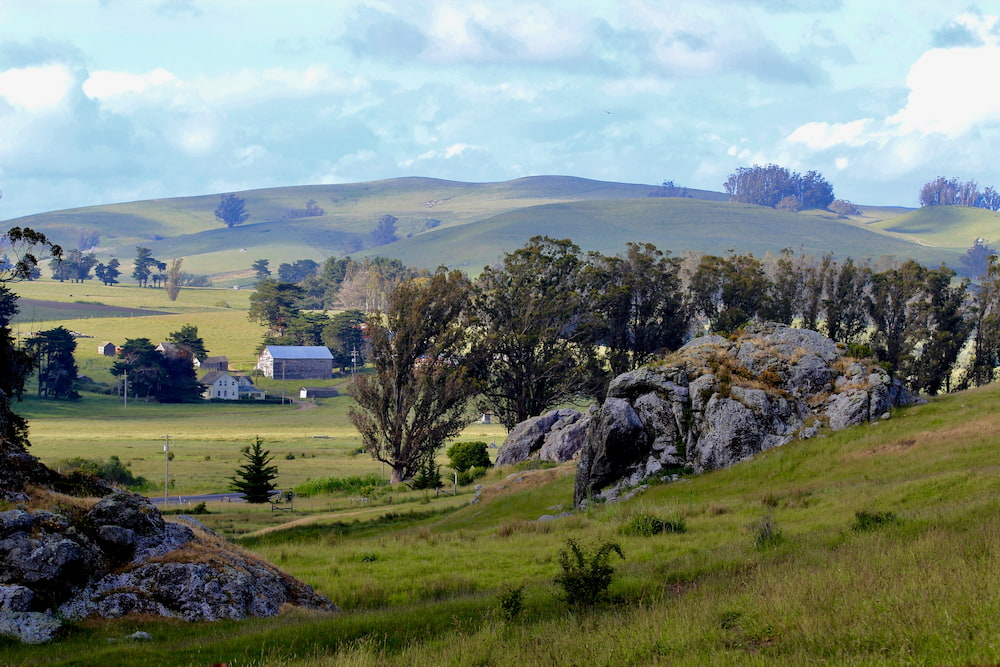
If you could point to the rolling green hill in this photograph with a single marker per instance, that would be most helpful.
(471, 224)
(944, 226)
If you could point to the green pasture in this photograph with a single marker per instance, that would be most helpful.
(419, 582)
(946, 226)
(673, 224)
(470, 225)
(308, 439)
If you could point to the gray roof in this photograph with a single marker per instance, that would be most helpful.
(299, 352)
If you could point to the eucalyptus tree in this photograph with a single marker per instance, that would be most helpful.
(418, 396)
(531, 345)
(636, 305)
(986, 333)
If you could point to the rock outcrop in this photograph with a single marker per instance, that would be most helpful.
(716, 402)
(117, 556)
(555, 436)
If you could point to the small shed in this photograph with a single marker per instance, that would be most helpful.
(296, 362)
(318, 392)
(107, 349)
(213, 364)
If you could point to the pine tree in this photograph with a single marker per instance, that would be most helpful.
(253, 478)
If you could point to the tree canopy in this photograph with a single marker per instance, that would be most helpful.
(770, 185)
(417, 397)
(232, 210)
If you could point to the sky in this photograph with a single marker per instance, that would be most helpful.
(105, 101)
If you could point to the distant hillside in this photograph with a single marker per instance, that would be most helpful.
(472, 224)
(944, 226)
(671, 224)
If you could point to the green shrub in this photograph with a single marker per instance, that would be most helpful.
(467, 455)
(112, 471)
(470, 476)
(766, 533)
(647, 525)
(585, 578)
(864, 520)
(511, 603)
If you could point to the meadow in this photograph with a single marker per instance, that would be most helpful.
(471, 225)
(878, 545)
(421, 580)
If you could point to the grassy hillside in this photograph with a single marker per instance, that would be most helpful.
(945, 226)
(472, 224)
(913, 579)
(669, 223)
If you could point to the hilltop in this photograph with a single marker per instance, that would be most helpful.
(470, 225)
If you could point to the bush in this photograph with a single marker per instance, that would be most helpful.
(586, 577)
(467, 455)
(470, 476)
(112, 471)
(766, 533)
(647, 525)
(864, 520)
(511, 603)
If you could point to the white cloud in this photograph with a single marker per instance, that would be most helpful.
(950, 93)
(37, 89)
(820, 135)
(104, 84)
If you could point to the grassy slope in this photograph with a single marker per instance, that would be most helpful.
(668, 223)
(472, 224)
(420, 588)
(946, 226)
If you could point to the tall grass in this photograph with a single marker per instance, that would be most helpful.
(421, 586)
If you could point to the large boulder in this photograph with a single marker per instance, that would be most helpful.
(119, 557)
(555, 436)
(717, 401)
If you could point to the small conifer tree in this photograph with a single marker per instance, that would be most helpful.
(254, 478)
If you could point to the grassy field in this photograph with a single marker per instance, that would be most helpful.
(421, 582)
(470, 225)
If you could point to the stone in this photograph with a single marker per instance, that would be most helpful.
(556, 436)
(716, 402)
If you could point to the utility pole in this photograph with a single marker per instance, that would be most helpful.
(166, 468)
(354, 361)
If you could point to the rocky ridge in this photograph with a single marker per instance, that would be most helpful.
(115, 556)
(718, 401)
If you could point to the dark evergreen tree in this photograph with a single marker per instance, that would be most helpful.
(297, 272)
(344, 335)
(385, 230)
(231, 210)
(143, 265)
(275, 305)
(108, 273)
(261, 270)
(254, 479)
(53, 351)
(187, 337)
(16, 364)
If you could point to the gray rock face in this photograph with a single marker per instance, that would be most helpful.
(717, 402)
(555, 436)
(120, 557)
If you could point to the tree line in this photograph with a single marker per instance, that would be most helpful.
(550, 324)
(951, 192)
